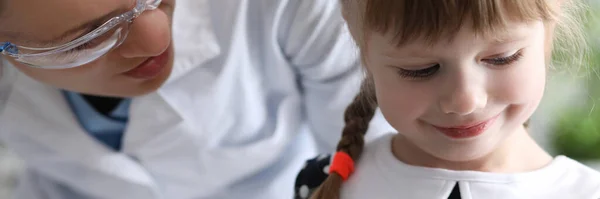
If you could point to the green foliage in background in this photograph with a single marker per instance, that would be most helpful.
(577, 132)
(578, 135)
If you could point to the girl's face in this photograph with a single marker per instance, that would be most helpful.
(459, 99)
(43, 23)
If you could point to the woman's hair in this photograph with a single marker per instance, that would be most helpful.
(433, 20)
(2, 6)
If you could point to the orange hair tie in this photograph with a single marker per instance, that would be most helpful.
(342, 164)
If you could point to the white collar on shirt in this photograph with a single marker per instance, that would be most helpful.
(380, 175)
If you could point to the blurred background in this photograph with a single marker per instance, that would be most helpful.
(567, 122)
(568, 119)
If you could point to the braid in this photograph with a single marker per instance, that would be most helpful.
(357, 117)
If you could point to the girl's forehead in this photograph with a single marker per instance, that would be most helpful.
(515, 32)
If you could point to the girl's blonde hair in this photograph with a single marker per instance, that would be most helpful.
(433, 20)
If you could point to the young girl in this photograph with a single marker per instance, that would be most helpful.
(458, 80)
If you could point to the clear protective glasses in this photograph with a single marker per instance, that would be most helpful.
(84, 49)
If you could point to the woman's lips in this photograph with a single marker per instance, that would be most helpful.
(150, 68)
(467, 131)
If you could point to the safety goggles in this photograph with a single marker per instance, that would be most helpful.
(84, 49)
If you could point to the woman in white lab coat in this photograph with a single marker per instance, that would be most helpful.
(249, 89)
(7, 75)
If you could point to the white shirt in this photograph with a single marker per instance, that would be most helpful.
(380, 175)
(258, 87)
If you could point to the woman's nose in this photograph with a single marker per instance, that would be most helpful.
(149, 35)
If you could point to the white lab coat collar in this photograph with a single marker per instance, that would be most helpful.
(7, 75)
(193, 36)
(66, 138)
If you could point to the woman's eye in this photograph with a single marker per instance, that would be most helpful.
(81, 47)
(90, 44)
(419, 74)
(502, 61)
(85, 46)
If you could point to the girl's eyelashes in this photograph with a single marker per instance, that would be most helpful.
(418, 74)
(430, 71)
(504, 61)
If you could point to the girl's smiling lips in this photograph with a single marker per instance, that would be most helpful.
(467, 130)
